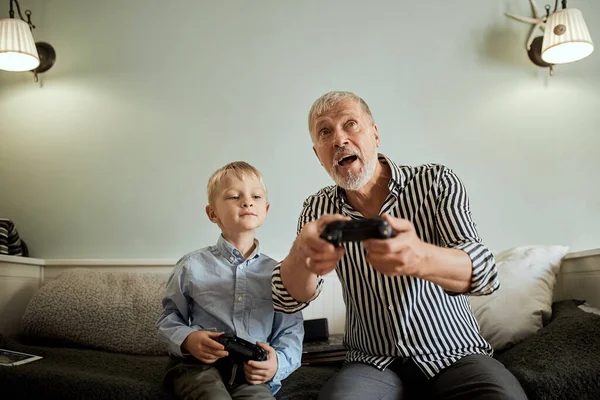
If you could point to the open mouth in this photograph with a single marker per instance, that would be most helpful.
(347, 160)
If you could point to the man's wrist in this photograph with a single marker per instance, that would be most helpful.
(300, 283)
(427, 263)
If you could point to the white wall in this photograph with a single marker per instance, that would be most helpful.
(109, 159)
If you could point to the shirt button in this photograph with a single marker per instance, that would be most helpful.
(391, 308)
(231, 259)
(240, 298)
(242, 266)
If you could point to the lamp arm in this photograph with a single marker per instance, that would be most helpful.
(563, 2)
(11, 13)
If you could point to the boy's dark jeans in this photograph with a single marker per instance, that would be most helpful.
(190, 378)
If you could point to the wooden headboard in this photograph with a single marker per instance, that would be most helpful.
(579, 277)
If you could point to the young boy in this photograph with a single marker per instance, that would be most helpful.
(226, 288)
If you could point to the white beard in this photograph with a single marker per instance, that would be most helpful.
(355, 181)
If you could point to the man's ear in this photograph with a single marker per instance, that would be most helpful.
(376, 133)
(315, 150)
(212, 215)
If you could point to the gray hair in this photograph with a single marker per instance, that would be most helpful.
(330, 99)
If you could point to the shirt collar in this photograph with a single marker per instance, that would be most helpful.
(395, 184)
(232, 254)
(397, 179)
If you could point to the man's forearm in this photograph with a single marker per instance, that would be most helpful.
(452, 269)
(299, 281)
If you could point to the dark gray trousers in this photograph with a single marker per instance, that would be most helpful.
(472, 377)
(190, 379)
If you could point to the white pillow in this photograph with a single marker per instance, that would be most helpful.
(523, 303)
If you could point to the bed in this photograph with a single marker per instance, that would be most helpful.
(560, 359)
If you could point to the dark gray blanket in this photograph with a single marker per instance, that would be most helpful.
(561, 361)
(73, 373)
(68, 373)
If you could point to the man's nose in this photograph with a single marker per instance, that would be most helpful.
(340, 137)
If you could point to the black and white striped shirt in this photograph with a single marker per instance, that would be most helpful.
(389, 317)
(10, 243)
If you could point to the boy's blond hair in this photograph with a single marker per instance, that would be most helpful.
(236, 169)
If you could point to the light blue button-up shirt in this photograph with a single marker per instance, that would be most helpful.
(216, 289)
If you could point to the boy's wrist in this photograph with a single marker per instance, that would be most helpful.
(183, 347)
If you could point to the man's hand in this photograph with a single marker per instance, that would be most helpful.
(319, 256)
(310, 256)
(404, 254)
(407, 254)
(201, 345)
(258, 372)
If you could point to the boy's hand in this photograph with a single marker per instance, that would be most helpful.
(258, 372)
(201, 345)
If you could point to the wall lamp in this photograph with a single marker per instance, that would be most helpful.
(18, 50)
(566, 37)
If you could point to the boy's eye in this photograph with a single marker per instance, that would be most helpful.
(256, 197)
(234, 197)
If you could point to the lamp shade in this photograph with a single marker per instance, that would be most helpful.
(17, 47)
(566, 38)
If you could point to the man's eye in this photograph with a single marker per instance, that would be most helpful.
(351, 124)
(323, 132)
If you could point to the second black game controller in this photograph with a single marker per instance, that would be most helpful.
(338, 232)
(240, 349)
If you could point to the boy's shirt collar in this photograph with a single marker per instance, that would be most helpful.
(232, 254)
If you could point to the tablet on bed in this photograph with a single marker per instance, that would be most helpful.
(12, 358)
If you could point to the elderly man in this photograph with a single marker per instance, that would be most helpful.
(410, 332)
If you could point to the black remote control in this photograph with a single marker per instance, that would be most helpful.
(240, 349)
(338, 232)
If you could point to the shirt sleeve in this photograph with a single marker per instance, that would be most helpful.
(173, 324)
(282, 300)
(457, 229)
(15, 246)
(286, 340)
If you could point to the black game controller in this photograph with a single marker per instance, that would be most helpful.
(338, 232)
(240, 349)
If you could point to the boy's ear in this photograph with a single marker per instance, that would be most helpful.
(212, 215)
(268, 206)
